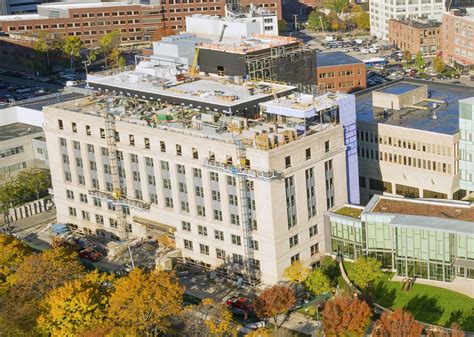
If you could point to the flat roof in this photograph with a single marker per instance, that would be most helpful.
(447, 121)
(350, 211)
(20, 17)
(15, 130)
(336, 58)
(399, 88)
(199, 90)
(425, 208)
(426, 24)
(63, 5)
(250, 44)
(434, 223)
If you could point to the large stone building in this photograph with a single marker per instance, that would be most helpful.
(238, 179)
(381, 12)
(408, 137)
(415, 35)
(458, 39)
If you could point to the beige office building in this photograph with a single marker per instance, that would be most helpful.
(408, 141)
(231, 191)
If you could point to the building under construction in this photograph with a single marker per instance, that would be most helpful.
(241, 193)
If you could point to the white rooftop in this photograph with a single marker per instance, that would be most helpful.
(19, 17)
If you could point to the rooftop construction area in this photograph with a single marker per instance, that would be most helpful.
(254, 43)
(437, 112)
(442, 210)
(165, 84)
(264, 132)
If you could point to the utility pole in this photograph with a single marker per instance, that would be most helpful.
(296, 21)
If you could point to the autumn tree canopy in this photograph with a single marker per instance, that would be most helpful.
(397, 323)
(365, 272)
(345, 316)
(208, 319)
(142, 303)
(76, 307)
(12, 254)
(297, 272)
(274, 301)
(317, 282)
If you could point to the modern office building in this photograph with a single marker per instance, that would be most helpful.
(22, 142)
(238, 174)
(408, 138)
(337, 71)
(426, 239)
(458, 39)
(416, 35)
(466, 144)
(381, 12)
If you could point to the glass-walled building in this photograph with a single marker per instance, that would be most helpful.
(416, 238)
(466, 143)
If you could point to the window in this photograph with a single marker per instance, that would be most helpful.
(83, 197)
(60, 124)
(134, 158)
(199, 191)
(88, 130)
(183, 188)
(204, 249)
(214, 176)
(234, 219)
(326, 146)
(233, 200)
(168, 202)
(218, 235)
(131, 140)
(231, 181)
(178, 150)
(217, 215)
(220, 254)
(165, 166)
(162, 146)
(181, 169)
(166, 184)
(197, 173)
(72, 211)
(195, 153)
(201, 210)
(308, 153)
(74, 127)
(237, 258)
(293, 241)
(149, 162)
(90, 148)
(97, 202)
(254, 244)
(235, 239)
(287, 161)
(202, 230)
(216, 195)
(313, 230)
(188, 244)
(315, 249)
(86, 215)
(295, 258)
(99, 219)
(70, 194)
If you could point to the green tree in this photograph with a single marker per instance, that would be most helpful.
(318, 21)
(283, 26)
(336, 5)
(143, 303)
(108, 43)
(297, 272)
(365, 271)
(419, 62)
(438, 65)
(317, 282)
(72, 47)
(35, 181)
(78, 306)
(12, 253)
(330, 268)
(360, 17)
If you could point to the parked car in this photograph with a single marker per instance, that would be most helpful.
(364, 51)
(90, 254)
(240, 302)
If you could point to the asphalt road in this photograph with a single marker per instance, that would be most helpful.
(31, 83)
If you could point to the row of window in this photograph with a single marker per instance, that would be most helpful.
(374, 138)
(13, 168)
(12, 151)
(403, 160)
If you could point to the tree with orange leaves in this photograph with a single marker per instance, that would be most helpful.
(397, 323)
(274, 301)
(345, 316)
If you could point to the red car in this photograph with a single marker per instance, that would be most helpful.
(242, 303)
(90, 254)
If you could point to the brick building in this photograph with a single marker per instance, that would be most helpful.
(458, 39)
(415, 35)
(338, 71)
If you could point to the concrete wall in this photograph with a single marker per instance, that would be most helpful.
(385, 100)
(233, 63)
(18, 114)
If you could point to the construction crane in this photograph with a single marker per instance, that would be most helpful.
(115, 197)
(192, 71)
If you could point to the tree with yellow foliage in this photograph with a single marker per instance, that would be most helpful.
(209, 319)
(77, 306)
(12, 254)
(260, 332)
(143, 303)
(297, 272)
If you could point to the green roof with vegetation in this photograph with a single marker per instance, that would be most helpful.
(349, 211)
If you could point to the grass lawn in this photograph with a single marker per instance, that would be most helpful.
(427, 303)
